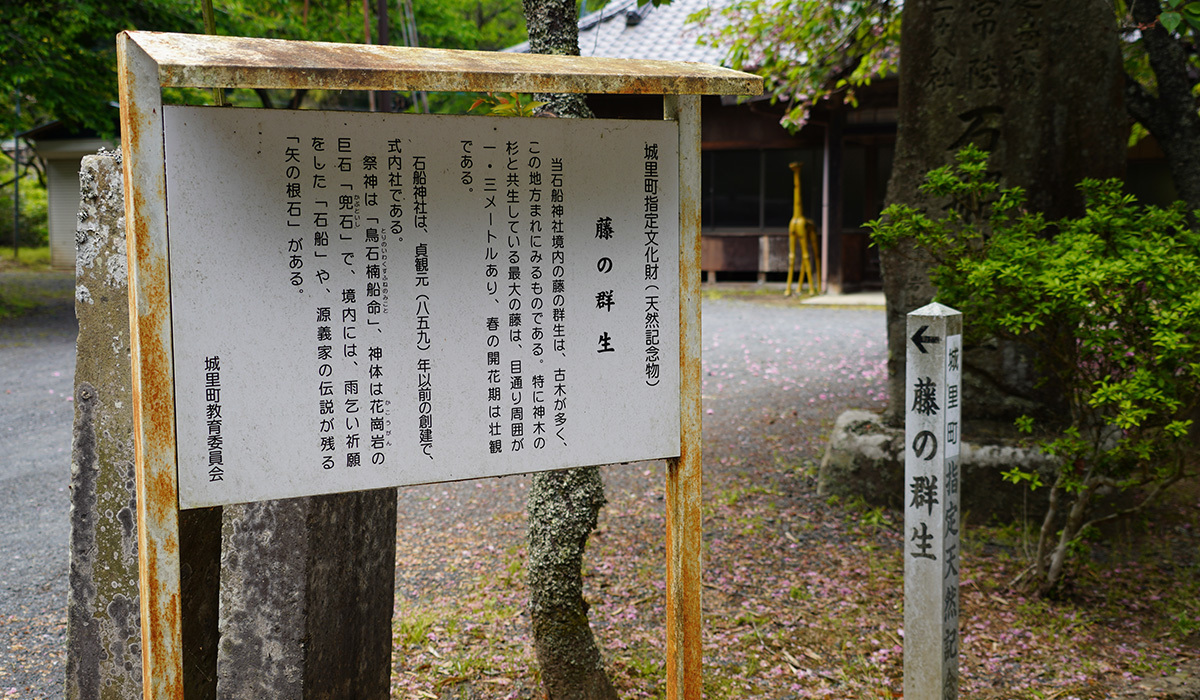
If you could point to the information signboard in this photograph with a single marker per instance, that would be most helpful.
(225, 244)
(366, 300)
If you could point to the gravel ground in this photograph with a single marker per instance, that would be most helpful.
(37, 368)
(775, 376)
(771, 368)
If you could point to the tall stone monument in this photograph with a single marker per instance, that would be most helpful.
(1036, 83)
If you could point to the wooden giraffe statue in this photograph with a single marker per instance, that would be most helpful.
(803, 229)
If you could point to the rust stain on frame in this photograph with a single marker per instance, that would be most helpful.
(153, 384)
(192, 60)
(684, 475)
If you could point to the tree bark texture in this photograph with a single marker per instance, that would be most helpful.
(1039, 86)
(562, 505)
(553, 27)
(1170, 115)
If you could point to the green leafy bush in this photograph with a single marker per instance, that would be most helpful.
(1109, 304)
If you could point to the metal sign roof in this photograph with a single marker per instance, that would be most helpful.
(197, 60)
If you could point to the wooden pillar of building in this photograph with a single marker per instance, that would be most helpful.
(831, 205)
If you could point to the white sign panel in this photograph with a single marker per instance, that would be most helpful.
(369, 300)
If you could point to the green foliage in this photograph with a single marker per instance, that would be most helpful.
(61, 55)
(450, 24)
(511, 106)
(808, 50)
(1179, 11)
(1109, 303)
(34, 221)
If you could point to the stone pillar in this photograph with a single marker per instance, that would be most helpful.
(103, 630)
(306, 597)
(103, 620)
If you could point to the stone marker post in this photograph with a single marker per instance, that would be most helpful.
(103, 633)
(931, 515)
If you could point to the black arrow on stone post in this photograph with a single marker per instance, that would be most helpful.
(920, 340)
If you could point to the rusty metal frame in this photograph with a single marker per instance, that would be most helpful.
(684, 514)
(150, 61)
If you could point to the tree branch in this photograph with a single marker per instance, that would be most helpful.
(1167, 58)
(1141, 104)
(1154, 494)
(264, 97)
(25, 171)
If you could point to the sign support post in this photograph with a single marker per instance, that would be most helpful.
(684, 473)
(931, 516)
(152, 380)
(148, 62)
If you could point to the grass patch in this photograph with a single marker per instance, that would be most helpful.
(29, 282)
(15, 302)
(28, 259)
(413, 628)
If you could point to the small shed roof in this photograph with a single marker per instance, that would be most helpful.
(195, 60)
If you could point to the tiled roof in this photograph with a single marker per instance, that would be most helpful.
(623, 30)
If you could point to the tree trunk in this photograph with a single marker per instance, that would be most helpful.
(553, 27)
(562, 505)
(1037, 84)
(562, 513)
(1052, 576)
(1171, 114)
